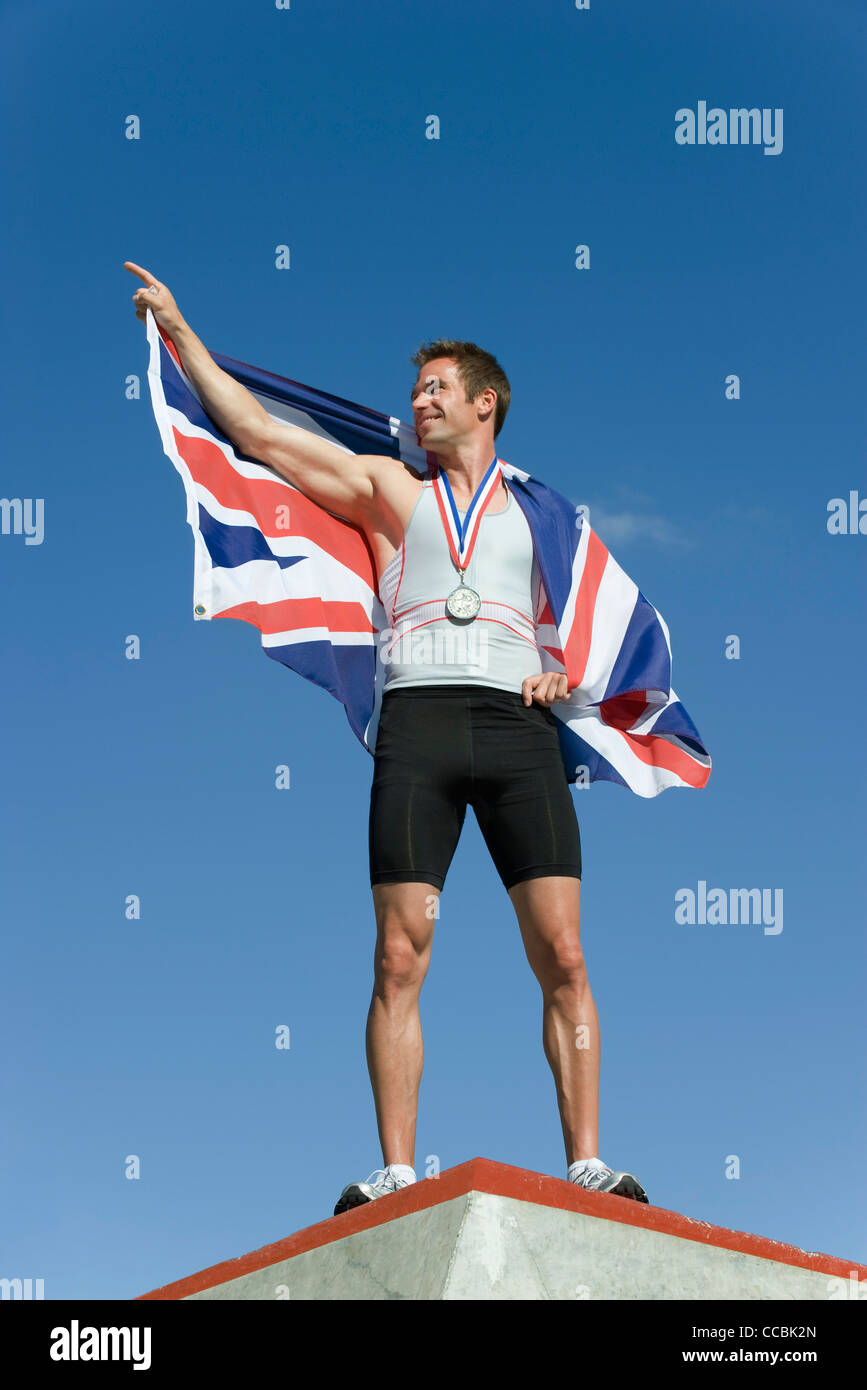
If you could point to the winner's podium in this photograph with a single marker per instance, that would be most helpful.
(487, 1231)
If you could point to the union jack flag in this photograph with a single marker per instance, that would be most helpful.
(268, 555)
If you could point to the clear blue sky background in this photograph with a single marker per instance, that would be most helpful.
(156, 777)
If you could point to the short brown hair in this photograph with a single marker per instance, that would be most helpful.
(477, 370)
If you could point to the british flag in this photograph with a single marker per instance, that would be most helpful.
(268, 555)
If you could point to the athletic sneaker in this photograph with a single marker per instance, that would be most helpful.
(359, 1192)
(598, 1177)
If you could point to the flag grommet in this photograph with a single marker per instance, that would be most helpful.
(199, 609)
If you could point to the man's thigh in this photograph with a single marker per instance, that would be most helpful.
(549, 915)
(548, 907)
(418, 795)
(522, 800)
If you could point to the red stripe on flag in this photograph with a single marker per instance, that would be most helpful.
(622, 711)
(270, 503)
(654, 750)
(577, 648)
(171, 348)
(289, 613)
(552, 651)
(546, 617)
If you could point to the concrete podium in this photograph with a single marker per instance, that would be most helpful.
(484, 1230)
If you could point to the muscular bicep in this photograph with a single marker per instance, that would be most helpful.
(342, 482)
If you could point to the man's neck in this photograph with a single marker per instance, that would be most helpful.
(465, 466)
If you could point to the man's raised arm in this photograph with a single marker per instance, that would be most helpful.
(343, 483)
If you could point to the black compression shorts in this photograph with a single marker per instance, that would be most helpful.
(440, 748)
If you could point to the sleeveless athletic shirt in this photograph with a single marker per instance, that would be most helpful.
(422, 644)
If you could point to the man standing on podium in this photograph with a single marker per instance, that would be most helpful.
(451, 550)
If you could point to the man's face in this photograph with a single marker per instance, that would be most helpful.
(441, 411)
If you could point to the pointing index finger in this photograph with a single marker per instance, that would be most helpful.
(140, 272)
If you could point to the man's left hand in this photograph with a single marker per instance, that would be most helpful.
(545, 689)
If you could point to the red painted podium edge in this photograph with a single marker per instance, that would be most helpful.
(501, 1180)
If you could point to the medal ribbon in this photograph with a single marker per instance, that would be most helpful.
(462, 536)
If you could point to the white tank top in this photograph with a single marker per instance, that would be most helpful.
(422, 644)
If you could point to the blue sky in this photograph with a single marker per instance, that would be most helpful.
(156, 777)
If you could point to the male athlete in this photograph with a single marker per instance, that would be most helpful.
(450, 734)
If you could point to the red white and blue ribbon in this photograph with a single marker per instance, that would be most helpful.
(462, 535)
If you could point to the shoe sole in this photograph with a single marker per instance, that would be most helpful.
(627, 1186)
(355, 1195)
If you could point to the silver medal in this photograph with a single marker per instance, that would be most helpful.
(463, 602)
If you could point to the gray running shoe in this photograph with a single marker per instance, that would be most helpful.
(598, 1177)
(359, 1192)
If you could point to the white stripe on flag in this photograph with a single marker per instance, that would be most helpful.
(264, 582)
(294, 418)
(642, 778)
(318, 634)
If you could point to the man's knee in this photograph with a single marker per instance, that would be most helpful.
(558, 960)
(404, 936)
